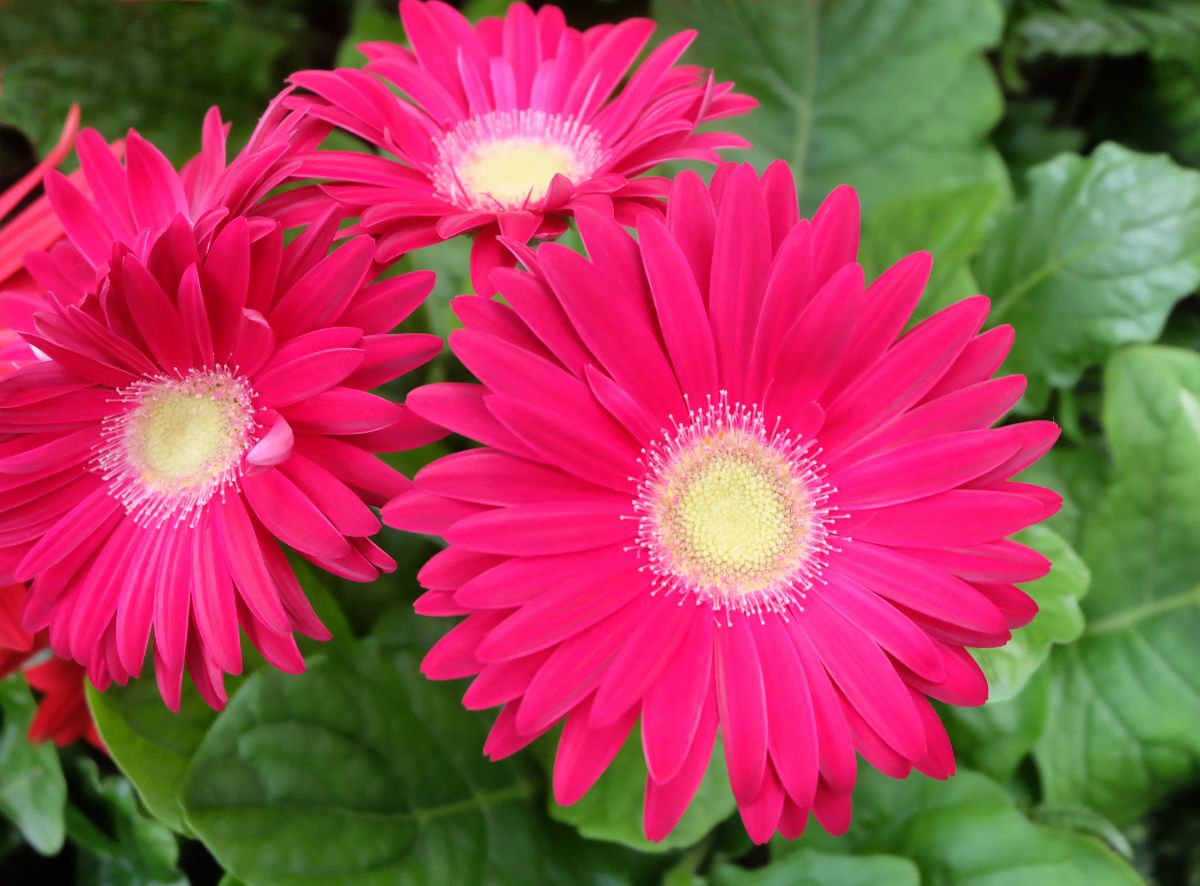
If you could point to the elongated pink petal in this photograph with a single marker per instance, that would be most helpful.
(585, 750)
(741, 701)
(668, 798)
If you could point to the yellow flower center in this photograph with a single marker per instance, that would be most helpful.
(506, 160)
(180, 439)
(515, 171)
(732, 515)
(178, 442)
(733, 512)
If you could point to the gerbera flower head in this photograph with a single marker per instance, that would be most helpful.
(509, 125)
(720, 487)
(204, 397)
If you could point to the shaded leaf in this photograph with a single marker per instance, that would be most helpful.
(1164, 28)
(118, 844)
(154, 66)
(1096, 257)
(967, 831)
(33, 792)
(1125, 698)
(808, 868)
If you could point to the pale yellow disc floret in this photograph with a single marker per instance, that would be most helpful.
(732, 516)
(179, 441)
(516, 170)
(184, 439)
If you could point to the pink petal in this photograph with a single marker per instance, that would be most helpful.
(291, 517)
(564, 610)
(584, 752)
(741, 701)
(865, 675)
(667, 799)
(672, 706)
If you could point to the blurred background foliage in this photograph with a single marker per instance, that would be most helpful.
(1044, 151)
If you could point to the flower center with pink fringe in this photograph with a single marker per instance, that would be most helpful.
(178, 442)
(506, 160)
(734, 511)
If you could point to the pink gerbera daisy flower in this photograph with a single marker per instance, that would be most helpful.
(203, 395)
(721, 488)
(508, 126)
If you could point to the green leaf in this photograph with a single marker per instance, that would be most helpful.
(612, 809)
(154, 66)
(966, 831)
(1175, 106)
(362, 771)
(151, 744)
(996, 737)
(808, 868)
(1079, 474)
(116, 842)
(1164, 28)
(1028, 136)
(33, 792)
(1059, 619)
(1096, 256)
(949, 225)
(1125, 698)
(892, 96)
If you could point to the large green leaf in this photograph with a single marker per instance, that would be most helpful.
(612, 809)
(1096, 256)
(362, 771)
(1030, 135)
(1164, 28)
(1125, 700)
(154, 66)
(1059, 619)
(116, 842)
(808, 868)
(966, 831)
(33, 792)
(892, 96)
(998, 736)
(151, 744)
